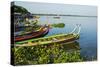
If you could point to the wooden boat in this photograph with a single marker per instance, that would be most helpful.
(58, 38)
(44, 30)
(56, 17)
(61, 38)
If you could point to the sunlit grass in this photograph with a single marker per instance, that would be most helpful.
(45, 54)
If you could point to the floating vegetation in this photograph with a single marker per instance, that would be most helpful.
(59, 25)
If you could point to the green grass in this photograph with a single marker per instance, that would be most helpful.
(45, 54)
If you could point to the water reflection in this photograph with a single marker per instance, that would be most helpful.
(74, 45)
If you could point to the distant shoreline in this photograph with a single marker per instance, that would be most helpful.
(62, 15)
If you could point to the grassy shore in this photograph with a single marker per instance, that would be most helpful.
(46, 54)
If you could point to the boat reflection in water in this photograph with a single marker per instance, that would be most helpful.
(73, 45)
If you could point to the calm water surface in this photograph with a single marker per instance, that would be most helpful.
(88, 34)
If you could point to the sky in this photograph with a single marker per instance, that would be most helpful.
(51, 8)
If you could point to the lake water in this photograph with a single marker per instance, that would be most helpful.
(88, 34)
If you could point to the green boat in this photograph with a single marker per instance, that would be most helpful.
(58, 38)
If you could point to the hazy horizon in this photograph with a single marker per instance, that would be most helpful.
(51, 8)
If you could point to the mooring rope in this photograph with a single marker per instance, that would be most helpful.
(74, 29)
(77, 27)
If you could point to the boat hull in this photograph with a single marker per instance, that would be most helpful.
(32, 35)
(40, 41)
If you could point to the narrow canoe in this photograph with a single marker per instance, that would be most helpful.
(30, 35)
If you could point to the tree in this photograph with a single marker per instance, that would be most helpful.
(19, 9)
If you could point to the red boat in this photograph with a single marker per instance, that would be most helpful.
(44, 30)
